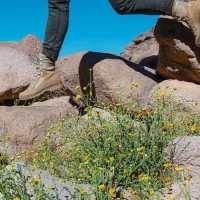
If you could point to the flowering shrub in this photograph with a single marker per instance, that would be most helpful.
(129, 152)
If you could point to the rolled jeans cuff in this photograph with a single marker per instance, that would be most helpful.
(53, 55)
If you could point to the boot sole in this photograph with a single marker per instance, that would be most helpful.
(49, 89)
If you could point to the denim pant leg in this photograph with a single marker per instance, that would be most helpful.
(56, 28)
(151, 7)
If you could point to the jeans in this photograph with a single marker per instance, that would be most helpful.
(58, 19)
(152, 7)
(56, 28)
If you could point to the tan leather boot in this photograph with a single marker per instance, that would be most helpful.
(46, 80)
(190, 13)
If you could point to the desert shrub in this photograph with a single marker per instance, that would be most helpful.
(129, 151)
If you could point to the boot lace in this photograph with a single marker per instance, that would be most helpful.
(180, 19)
(37, 76)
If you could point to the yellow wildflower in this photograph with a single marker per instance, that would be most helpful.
(89, 133)
(82, 192)
(33, 169)
(158, 98)
(63, 155)
(78, 87)
(102, 187)
(122, 155)
(36, 154)
(163, 94)
(164, 128)
(173, 198)
(141, 175)
(112, 158)
(168, 178)
(118, 144)
(167, 183)
(189, 169)
(160, 177)
(151, 192)
(8, 137)
(118, 105)
(2, 157)
(178, 169)
(12, 158)
(78, 96)
(136, 84)
(193, 128)
(111, 191)
(133, 176)
(101, 152)
(24, 152)
(188, 177)
(12, 169)
(147, 178)
(96, 159)
(131, 191)
(128, 127)
(36, 180)
(85, 158)
(140, 149)
(167, 165)
(16, 198)
(144, 109)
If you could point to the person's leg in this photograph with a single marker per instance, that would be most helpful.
(190, 13)
(185, 11)
(56, 29)
(156, 7)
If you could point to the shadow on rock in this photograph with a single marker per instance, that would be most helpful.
(91, 59)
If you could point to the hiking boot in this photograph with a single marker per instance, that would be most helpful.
(47, 79)
(190, 13)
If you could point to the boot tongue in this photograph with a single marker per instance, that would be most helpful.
(45, 63)
(179, 10)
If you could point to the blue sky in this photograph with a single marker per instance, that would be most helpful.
(94, 25)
